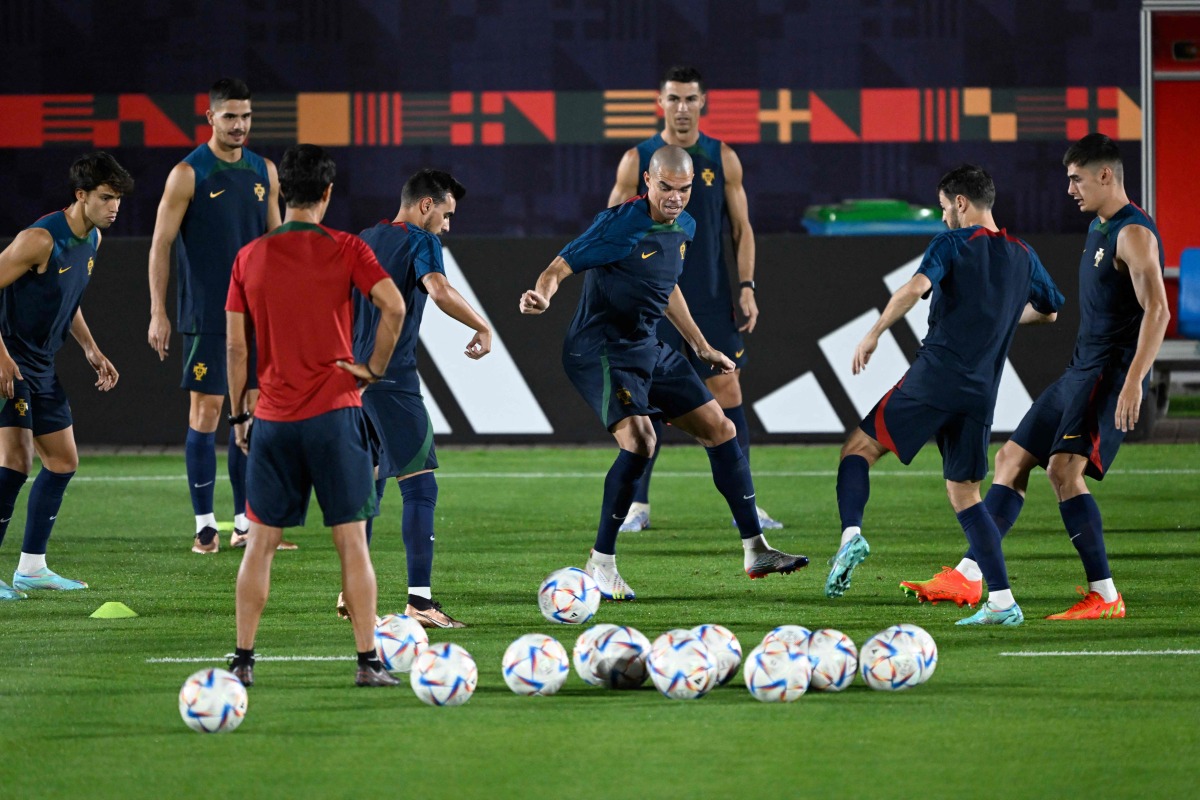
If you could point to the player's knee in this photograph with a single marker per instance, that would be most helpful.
(18, 459)
(205, 412)
(962, 494)
(718, 431)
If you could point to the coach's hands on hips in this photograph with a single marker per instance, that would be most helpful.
(533, 303)
(862, 353)
(717, 360)
(749, 308)
(480, 345)
(360, 371)
(159, 335)
(1129, 404)
(9, 372)
(106, 373)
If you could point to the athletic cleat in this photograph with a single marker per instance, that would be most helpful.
(239, 538)
(612, 585)
(374, 676)
(1092, 606)
(764, 521)
(243, 671)
(284, 544)
(949, 584)
(775, 561)
(206, 542)
(9, 593)
(45, 579)
(433, 617)
(987, 615)
(842, 565)
(343, 611)
(635, 521)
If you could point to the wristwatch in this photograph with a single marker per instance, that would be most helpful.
(748, 285)
(239, 419)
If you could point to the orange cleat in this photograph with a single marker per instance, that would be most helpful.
(1093, 606)
(949, 584)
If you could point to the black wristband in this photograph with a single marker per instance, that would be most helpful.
(371, 372)
(748, 285)
(239, 419)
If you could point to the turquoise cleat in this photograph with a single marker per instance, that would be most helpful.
(986, 615)
(9, 593)
(842, 565)
(46, 579)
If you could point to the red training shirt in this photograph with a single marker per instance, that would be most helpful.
(296, 283)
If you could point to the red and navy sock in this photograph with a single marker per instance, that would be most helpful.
(619, 486)
(853, 490)
(1081, 516)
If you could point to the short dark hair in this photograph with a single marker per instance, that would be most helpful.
(228, 89)
(100, 169)
(304, 172)
(682, 74)
(1095, 148)
(431, 183)
(971, 182)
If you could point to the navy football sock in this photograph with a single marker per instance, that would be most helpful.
(380, 487)
(641, 492)
(420, 499)
(45, 499)
(11, 482)
(1004, 504)
(737, 415)
(853, 490)
(731, 474)
(619, 486)
(984, 539)
(200, 455)
(1081, 516)
(237, 475)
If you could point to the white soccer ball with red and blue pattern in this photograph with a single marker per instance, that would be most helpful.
(619, 657)
(776, 673)
(834, 659)
(889, 661)
(583, 656)
(212, 701)
(399, 639)
(924, 647)
(444, 674)
(724, 647)
(792, 635)
(681, 666)
(536, 665)
(569, 595)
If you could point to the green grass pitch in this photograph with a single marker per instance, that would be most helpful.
(86, 713)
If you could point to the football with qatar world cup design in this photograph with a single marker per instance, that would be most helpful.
(619, 658)
(791, 635)
(444, 674)
(569, 595)
(889, 662)
(398, 640)
(724, 647)
(583, 656)
(212, 701)
(776, 673)
(681, 666)
(834, 659)
(536, 665)
(924, 647)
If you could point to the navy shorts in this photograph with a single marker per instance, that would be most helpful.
(720, 331)
(1076, 414)
(204, 360)
(903, 425)
(653, 381)
(401, 432)
(288, 460)
(39, 404)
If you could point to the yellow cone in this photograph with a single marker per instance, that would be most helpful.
(113, 610)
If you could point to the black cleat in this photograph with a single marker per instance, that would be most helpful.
(374, 675)
(243, 671)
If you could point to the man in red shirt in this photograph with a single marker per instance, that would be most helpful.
(293, 288)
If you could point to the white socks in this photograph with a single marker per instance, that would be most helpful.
(1106, 588)
(241, 522)
(850, 533)
(969, 570)
(421, 591)
(1000, 600)
(206, 521)
(752, 548)
(31, 563)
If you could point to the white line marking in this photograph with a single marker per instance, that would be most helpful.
(257, 659)
(1057, 653)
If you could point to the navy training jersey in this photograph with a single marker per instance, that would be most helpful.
(37, 309)
(705, 282)
(1110, 316)
(228, 210)
(632, 264)
(408, 253)
(982, 280)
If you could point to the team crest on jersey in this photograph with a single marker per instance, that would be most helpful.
(625, 396)
(683, 250)
(21, 407)
(1099, 257)
(708, 176)
(200, 370)
(259, 192)
(91, 263)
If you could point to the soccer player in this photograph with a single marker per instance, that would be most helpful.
(409, 249)
(984, 282)
(216, 200)
(293, 288)
(718, 195)
(1076, 426)
(633, 254)
(43, 274)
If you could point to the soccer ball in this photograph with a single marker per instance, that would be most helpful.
(776, 673)
(536, 664)
(444, 674)
(723, 646)
(212, 701)
(925, 648)
(792, 635)
(889, 661)
(584, 654)
(398, 640)
(569, 595)
(834, 659)
(619, 658)
(681, 666)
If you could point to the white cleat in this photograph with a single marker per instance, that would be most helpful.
(764, 521)
(636, 520)
(612, 585)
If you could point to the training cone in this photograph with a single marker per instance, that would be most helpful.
(113, 610)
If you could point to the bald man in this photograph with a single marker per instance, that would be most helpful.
(633, 255)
